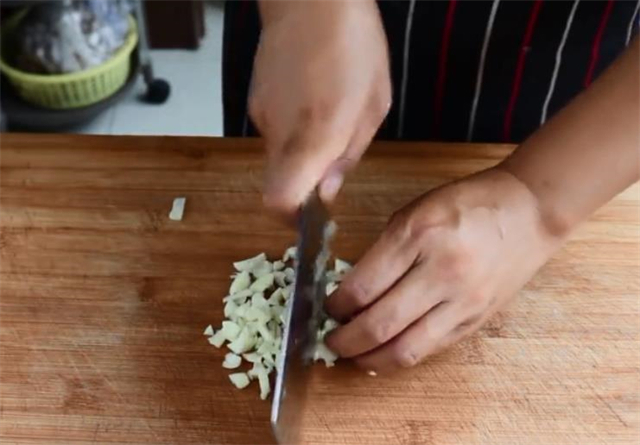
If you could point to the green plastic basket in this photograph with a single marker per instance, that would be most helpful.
(73, 90)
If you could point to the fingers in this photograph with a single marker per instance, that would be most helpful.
(378, 270)
(295, 169)
(334, 177)
(405, 303)
(443, 325)
(318, 153)
(331, 184)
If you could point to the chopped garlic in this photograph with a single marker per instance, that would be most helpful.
(286, 292)
(248, 264)
(264, 332)
(329, 325)
(252, 357)
(290, 274)
(253, 313)
(262, 374)
(231, 361)
(230, 330)
(262, 283)
(341, 266)
(218, 339)
(269, 360)
(177, 209)
(240, 283)
(330, 288)
(258, 301)
(267, 348)
(230, 309)
(254, 324)
(332, 276)
(265, 387)
(240, 380)
(238, 297)
(276, 297)
(243, 343)
(290, 254)
(240, 311)
(276, 311)
(280, 278)
(322, 352)
(262, 269)
(255, 370)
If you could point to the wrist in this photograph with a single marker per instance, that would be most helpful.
(556, 220)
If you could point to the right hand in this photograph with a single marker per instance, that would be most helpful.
(320, 90)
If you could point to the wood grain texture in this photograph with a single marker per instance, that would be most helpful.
(103, 303)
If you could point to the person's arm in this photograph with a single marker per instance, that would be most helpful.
(320, 89)
(589, 151)
(453, 257)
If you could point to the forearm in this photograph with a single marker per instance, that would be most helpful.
(271, 10)
(588, 152)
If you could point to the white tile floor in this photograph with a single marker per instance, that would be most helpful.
(195, 104)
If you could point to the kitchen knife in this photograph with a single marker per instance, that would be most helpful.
(302, 323)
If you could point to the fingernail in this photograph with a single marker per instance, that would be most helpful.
(331, 186)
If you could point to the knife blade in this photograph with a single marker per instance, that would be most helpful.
(302, 323)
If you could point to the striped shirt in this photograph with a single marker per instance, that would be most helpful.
(490, 71)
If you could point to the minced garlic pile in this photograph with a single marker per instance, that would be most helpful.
(255, 312)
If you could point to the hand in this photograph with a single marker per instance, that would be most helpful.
(320, 90)
(444, 264)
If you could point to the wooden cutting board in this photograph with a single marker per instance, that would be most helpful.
(104, 299)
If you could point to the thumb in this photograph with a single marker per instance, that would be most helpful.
(334, 176)
(296, 168)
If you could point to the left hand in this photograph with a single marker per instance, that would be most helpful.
(444, 264)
